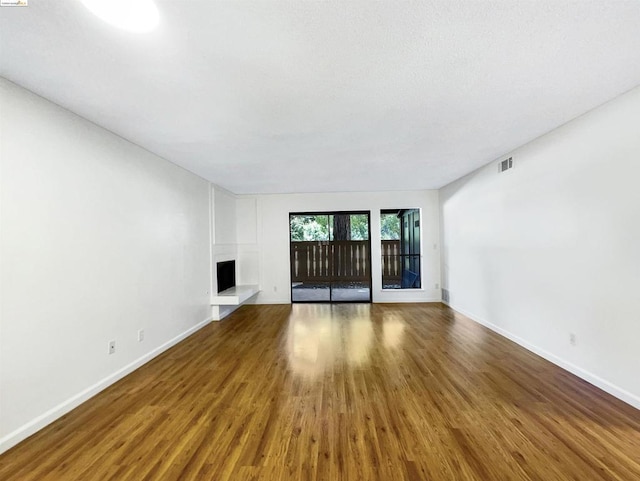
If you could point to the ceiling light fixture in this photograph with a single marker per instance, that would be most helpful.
(133, 15)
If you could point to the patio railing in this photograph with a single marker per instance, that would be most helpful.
(324, 261)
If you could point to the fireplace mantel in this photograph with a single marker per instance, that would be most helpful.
(235, 296)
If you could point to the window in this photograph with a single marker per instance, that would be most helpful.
(400, 238)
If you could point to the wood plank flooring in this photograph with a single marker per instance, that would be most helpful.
(340, 392)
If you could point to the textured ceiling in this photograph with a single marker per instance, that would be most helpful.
(266, 97)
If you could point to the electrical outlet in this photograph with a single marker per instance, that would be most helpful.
(572, 338)
(275, 288)
(141, 335)
(112, 347)
(437, 286)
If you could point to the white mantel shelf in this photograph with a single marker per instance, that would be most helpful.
(235, 296)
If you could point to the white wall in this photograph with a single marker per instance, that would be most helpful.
(224, 238)
(247, 236)
(552, 247)
(271, 250)
(99, 238)
(224, 221)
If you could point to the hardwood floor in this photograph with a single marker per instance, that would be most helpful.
(340, 392)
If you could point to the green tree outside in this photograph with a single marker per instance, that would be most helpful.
(389, 227)
(319, 227)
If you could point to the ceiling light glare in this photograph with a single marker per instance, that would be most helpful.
(132, 15)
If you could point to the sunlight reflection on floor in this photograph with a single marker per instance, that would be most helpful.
(321, 336)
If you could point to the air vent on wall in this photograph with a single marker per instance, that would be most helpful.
(445, 295)
(506, 164)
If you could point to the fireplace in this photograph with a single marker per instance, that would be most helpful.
(226, 275)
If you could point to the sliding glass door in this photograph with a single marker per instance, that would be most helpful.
(330, 257)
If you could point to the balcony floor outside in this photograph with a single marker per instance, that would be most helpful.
(322, 292)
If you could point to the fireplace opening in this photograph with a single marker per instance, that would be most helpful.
(226, 275)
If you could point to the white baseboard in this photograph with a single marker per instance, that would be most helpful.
(375, 301)
(591, 378)
(409, 300)
(23, 432)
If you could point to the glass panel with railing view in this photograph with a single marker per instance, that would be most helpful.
(400, 248)
(330, 257)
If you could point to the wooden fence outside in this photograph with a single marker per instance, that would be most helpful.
(342, 261)
(391, 261)
(347, 261)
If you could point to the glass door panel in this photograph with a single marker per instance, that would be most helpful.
(351, 281)
(330, 257)
(310, 258)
